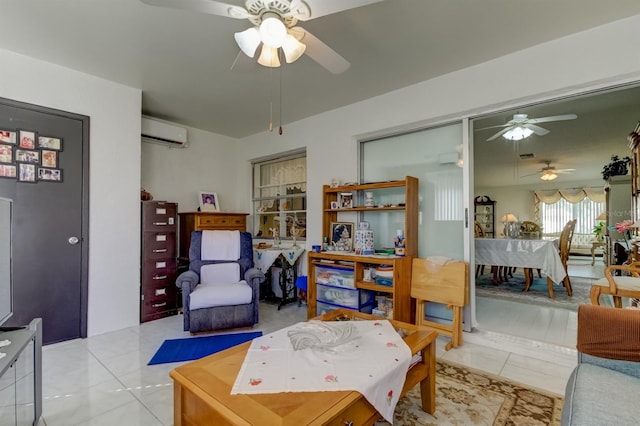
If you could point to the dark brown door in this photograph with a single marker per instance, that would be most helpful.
(50, 222)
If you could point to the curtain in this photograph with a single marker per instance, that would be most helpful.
(555, 208)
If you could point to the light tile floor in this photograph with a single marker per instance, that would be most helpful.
(104, 380)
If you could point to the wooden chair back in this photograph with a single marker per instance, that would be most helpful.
(565, 241)
(445, 281)
(527, 228)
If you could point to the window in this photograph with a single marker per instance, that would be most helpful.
(280, 196)
(557, 211)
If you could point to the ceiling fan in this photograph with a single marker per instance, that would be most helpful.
(550, 172)
(275, 27)
(521, 126)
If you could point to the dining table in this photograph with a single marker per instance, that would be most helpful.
(541, 254)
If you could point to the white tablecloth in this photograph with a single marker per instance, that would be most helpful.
(375, 364)
(535, 254)
(264, 258)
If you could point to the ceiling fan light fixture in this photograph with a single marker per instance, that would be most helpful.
(549, 175)
(269, 57)
(517, 133)
(272, 30)
(248, 41)
(292, 49)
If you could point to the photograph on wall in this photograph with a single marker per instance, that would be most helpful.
(26, 172)
(7, 136)
(6, 154)
(50, 174)
(27, 156)
(50, 143)
(209, 201)
(27, 139)
(342, 236)
(7, 171)
(49, 158)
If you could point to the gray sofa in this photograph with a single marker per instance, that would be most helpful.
(605, 386)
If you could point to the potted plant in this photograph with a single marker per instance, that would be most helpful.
(598, 230)
(616, 167)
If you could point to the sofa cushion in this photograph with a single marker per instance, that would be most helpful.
(220, 294)
(600, 396)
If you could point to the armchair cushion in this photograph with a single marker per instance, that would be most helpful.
(220, 273)
(220, 294)
(220, 245)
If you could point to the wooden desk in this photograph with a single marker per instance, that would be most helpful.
(202, 389)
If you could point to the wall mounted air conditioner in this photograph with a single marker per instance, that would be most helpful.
(163, 133)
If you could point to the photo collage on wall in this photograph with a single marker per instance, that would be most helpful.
(27, 157)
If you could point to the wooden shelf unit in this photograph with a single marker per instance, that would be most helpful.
(400, 292)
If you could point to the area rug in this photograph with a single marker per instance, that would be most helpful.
(538, 293)
(176, 350)
(465, 396)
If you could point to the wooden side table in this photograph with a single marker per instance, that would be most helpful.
(594, 246)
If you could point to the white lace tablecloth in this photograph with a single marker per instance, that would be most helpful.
(374, 364)
(264, 258)
(535, 254)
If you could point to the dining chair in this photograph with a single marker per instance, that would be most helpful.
(565, 247)
(530, 229)
(617, 286)
(478, 232)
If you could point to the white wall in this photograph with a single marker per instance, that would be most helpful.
(209, 163)
(114, 215)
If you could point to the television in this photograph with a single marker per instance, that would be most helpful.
(6, 293)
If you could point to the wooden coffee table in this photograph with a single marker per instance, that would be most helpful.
(202, 389)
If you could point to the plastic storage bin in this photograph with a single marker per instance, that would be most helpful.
(345, 297)
(323, 308)
(335, 276)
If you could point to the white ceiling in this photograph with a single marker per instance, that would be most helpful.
(181, 60)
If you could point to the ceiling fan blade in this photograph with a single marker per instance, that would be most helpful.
(536, 129)
(565, 171)
(320, 52)
(203, 6)
(500, 133)
(553, 118)
(327, 7)
(493, 127)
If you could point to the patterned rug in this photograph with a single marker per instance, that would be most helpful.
(538, 293)
(465, 396)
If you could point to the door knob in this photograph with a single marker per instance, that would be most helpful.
(73, 240)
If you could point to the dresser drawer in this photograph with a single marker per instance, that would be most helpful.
(158, 216)
(159, 270)
(234, 222)
(158, 245)
(358, 413)
(158, 303)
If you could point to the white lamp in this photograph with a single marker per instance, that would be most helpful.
(269, 57)
(517, 133)
(272, 30)
(248, 41)
(292, 49)
(511, 225)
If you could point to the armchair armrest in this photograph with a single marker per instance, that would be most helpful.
(254, 275)
(187, 281)
(633, 269)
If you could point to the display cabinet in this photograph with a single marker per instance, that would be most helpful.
(394, 207)
(484, 214)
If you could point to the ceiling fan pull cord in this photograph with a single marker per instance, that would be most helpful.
(271, 99)
(280, 88)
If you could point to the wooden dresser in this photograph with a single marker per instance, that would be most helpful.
(200, 221)
(158, 292)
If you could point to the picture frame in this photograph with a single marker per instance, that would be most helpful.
(7, 136)
(49, 158)
(342, 236)
(27, 139)
(6, 153)
(208, 201)
(49, 142)
(345, 200)
(8, 171)
(27, 156)
(50, 175)
(26, 172)
(335, 205)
